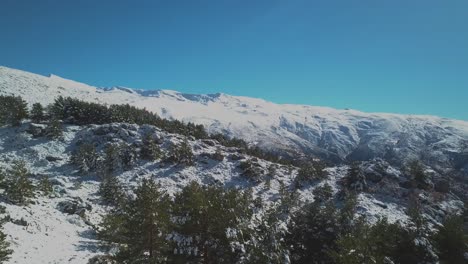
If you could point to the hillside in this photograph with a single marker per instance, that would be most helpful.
(331, 134)
(71, 179)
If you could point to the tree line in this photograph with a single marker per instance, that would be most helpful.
(13, 109)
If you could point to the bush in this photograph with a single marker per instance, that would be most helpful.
(13, 109)
(54, 129)
(418, 176)
(311, 171)
(181, 154)
(449, 240)
(85, 157)
(251, 170)
(37, 113)
(19, 186)
(150, 149)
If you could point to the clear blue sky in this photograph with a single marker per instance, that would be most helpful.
(404, 56)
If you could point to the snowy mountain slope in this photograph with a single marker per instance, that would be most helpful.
(52, 236)
(332, 134)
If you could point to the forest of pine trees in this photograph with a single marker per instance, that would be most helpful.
(217, 225)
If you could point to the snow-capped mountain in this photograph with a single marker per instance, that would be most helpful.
(332, 134)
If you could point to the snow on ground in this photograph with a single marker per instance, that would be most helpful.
(323, 131)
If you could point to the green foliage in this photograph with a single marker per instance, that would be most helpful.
(13, 109)
(313, 231)
(150, 149)
(3, 179)
(266, 242)
(45, 186)
(415, 213)
(112, 158)
(251, 169)
(355, 180)
(419, 177)
(5, 252)
(128, 156)
(111, 189)
(19, 186)
(37, 113)
(54, 129)
(140, 226)
(323, 193)
(181, 154)
(85, 157)
(74, 111)
(214, 222)
(311, 171)
(449, 240)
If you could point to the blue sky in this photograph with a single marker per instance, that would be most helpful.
(371, 55)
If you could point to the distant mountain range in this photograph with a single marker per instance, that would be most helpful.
(295, 130)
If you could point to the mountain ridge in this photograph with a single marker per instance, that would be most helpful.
(332, 134)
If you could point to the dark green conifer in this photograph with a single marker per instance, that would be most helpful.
(140, 226)
(37, 113)
(54, 129)
(19, 186)
(150, 149)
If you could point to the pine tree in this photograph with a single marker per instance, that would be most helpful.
(85, 157)
(19, 186)
(3, 179)
(213, 222)
(5, 252)
(13, 109)
(450, 242)
(111, 189)
(181, 154)
(419, 177)
(313, 170)
(128, 156)
(54, 129)
(323, 193)
(266, 239)
(112, 161)
(37, 113)
(45, 186)
(355, 180)
(150, 149)
(140, 226)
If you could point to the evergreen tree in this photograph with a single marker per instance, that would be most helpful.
(128, 156)
(266, 241)
(313, 170)
(418, 175)
(3, 179)
(111, 189)
(112, 158)
(5, 252)
(45, 186)
(150, 149)
(213, 223)
(181, 154)
(13, 109)
(37, 113)
(140, 226)
(450, 242)
(85, 157)
(19, 186)
(313, 231)
(355, 180)
(323, 193)
(54, 129)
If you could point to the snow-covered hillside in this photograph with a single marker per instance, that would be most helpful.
(332, 134)
(52, 234)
